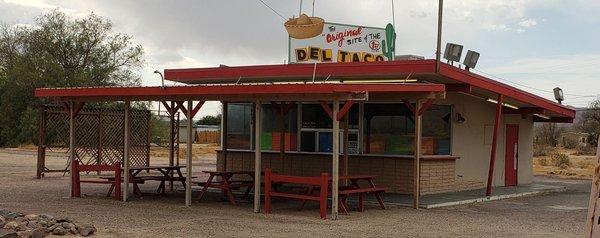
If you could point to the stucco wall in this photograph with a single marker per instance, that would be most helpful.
(472, 141)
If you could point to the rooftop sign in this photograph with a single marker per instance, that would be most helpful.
(343, 43)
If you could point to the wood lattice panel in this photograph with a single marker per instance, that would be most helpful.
(99, 134)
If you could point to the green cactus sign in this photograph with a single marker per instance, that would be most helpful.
(389, 43)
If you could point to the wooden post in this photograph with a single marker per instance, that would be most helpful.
(126, 145)
(592, 226)
(257, 156)
(417, 155)
(224, 134)
(72, 144)
(346, 140)
(171, 140)
(497, 122)
(282, 131)
(100, 135)
(336, 161)
(41, 155)
(188, 167)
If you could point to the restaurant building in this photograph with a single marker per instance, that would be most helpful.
(344, 105)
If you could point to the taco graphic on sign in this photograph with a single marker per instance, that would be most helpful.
(304, 27)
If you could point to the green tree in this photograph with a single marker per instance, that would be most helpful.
(209, 120)
(58, 51)
(590, 122)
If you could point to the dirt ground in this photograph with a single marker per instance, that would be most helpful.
(552, 215)
(581, 166)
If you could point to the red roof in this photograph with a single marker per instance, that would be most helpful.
(424, 70)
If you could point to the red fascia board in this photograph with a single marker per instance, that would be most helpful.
(275, 89)
(506, 90)
(364, 69)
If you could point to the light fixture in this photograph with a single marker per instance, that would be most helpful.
(558, 95)
(503, 104)
(162, 78)
(453, 52)
(542, 116)
(460, 119)
(471, 59)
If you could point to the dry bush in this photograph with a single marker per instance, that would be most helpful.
(585, 164)
(560, 160)
(541, 150)
(543, 161)
(570, 143)
(585, 150)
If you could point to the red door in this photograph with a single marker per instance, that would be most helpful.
(511, 155)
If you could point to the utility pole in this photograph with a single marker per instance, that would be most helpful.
(439, 37)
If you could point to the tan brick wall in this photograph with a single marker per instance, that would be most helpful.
(437, 176)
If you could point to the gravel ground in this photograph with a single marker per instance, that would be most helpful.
(552, 215)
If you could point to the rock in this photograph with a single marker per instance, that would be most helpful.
(2, 221)
(4, 233)
(63, 219)
(31, 217)
(51, 228)
(32, 224)
(11, 225)
(46, 217)
(39, 233)
(24, 234)
(11, 215)
(59, 231)
(86, 230)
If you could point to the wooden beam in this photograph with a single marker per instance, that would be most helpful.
(170, 109)
(345, 109)
(71, 145)
(197, 108)
(524, 110)
(417, 158)
(459, 88)
(224, 134)
(497, 122)
(257, 156)
(188, 165)
(336, 162)
(327, 109)
(409, 106)
(425, 106)
(126, 145)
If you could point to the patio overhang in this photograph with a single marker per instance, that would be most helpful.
(248, 93)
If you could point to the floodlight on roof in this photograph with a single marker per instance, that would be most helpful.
(471, 59)
(453, 52)
(558, 95)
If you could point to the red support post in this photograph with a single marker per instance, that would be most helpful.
(426, 106)
(118, 181)
(323, 195)
(409, 106)
(76, 185)
(345, 109)
(488, 190)
(327, 109)
(267, 190)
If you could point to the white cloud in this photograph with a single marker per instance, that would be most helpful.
(31, 3)
(527, 23)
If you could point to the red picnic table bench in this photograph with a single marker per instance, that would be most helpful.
(226, 183)
(322, 184)
(164, 176)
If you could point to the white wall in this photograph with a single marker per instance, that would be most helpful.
(472, 140)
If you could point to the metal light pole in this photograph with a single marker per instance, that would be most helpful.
(439, 36)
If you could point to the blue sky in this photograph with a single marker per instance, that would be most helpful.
(535, 45)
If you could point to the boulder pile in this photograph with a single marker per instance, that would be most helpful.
(18, 225)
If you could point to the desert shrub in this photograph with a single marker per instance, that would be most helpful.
(560, 160)
(543, 161)
(585, 164)
(540, 150)
(570, 143)
(585, 150)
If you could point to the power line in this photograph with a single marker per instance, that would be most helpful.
(530, 87)
(278, 14)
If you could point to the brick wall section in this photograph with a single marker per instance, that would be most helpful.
(437, 176)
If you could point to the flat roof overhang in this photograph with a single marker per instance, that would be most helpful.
(456, 80)
(248, 93)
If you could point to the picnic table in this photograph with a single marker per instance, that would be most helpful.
(354, 187)
(226, 183)
(166, 173)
